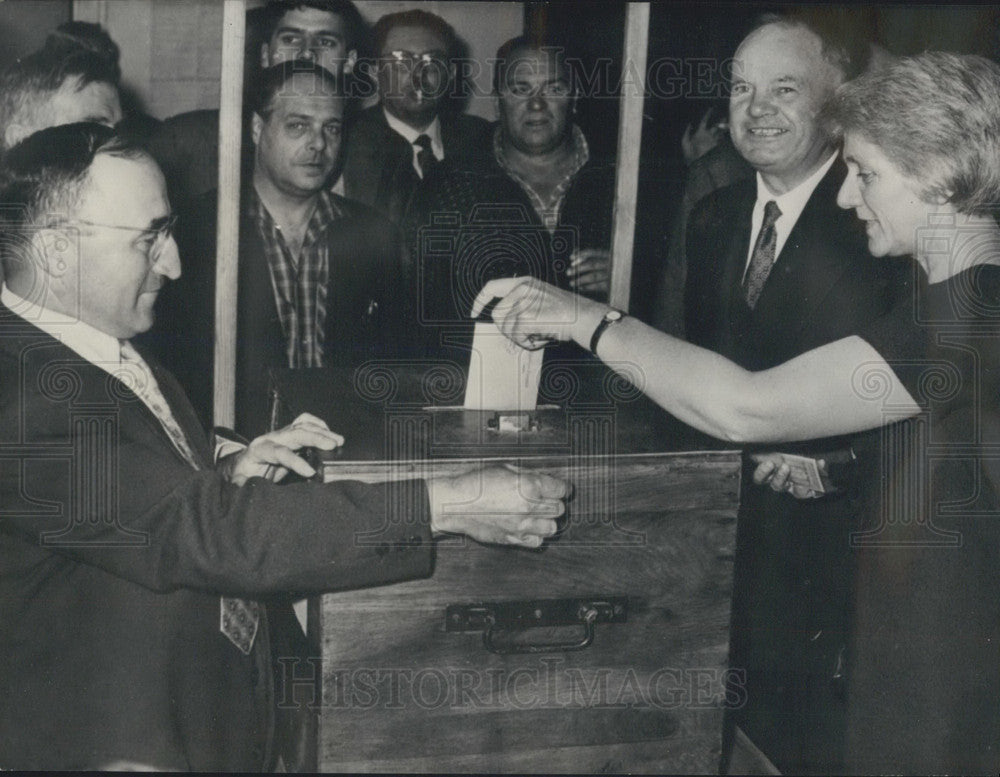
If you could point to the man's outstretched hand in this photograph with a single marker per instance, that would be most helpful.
(498, 505)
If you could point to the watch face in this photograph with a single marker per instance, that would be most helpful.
(612, 315)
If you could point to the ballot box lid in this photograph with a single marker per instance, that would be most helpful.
(414, 410)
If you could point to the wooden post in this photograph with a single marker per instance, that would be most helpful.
(629, 142)
(228, 228)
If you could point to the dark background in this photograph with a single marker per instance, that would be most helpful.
(702, 36)
(697, 37)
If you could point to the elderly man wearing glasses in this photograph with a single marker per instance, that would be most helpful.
(140, 576)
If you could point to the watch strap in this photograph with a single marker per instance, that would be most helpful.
(613, 316)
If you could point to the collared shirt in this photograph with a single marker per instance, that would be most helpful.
(433, 131)
(791, 204)
(299, 283)
(548, 211)
(96, 347)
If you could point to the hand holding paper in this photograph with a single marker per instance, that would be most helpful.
(532, 313)
(800, 476)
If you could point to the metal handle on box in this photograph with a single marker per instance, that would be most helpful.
(495, 619)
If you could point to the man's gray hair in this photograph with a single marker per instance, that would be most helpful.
(843, 43)
(27, 86)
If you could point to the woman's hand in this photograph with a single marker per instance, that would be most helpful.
(533, 313)
(696, 142)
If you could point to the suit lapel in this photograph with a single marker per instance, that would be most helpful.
(101, 388)
(451, 133)
(737, 248)
(181, 410)
(809, 265)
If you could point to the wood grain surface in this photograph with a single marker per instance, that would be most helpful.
(401, 693)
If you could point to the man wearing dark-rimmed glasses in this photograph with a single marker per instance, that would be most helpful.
(394, 145)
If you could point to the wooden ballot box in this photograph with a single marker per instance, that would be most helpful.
(605, 651)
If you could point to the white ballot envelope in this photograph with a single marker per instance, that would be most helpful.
(502, 374)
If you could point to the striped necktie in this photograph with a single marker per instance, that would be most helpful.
(239, 619)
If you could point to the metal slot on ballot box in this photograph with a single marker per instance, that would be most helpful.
(495, 619)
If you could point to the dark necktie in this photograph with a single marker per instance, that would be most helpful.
(762, 258)
(425, 156)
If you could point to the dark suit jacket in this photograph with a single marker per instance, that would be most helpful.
(113, 554)
(364, 316)
(378, 162)
(793, 573)
(719, 167)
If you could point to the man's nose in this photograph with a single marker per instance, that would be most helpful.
(306, 51)
(317, 140)
(537, 102)
(760, 103)
(429, 79)
(168, 260)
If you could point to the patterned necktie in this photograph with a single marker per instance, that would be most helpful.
(143, 385)
(238, 618)
(425, 156)
(762, 259)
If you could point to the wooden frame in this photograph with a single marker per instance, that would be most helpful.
(234, 33)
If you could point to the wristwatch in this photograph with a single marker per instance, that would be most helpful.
(613, 316)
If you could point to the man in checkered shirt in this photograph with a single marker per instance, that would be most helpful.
(320, 276)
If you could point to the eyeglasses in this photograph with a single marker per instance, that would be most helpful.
(159, 235)
(411, 60)
(550, 89)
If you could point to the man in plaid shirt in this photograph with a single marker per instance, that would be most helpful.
(320, 276)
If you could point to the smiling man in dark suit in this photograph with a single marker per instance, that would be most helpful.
(775, 269)
(134, 568)
(393, 145)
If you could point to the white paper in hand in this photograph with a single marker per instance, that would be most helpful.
(804, 472)
(502, 375)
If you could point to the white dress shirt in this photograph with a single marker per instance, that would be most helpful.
(97, 347)
(791, 204)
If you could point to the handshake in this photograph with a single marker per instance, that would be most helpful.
(497, 504)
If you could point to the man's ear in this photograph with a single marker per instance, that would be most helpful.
(265, 56)
(496, 107)
(350, 61)
(51, 251)
(256, 126)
